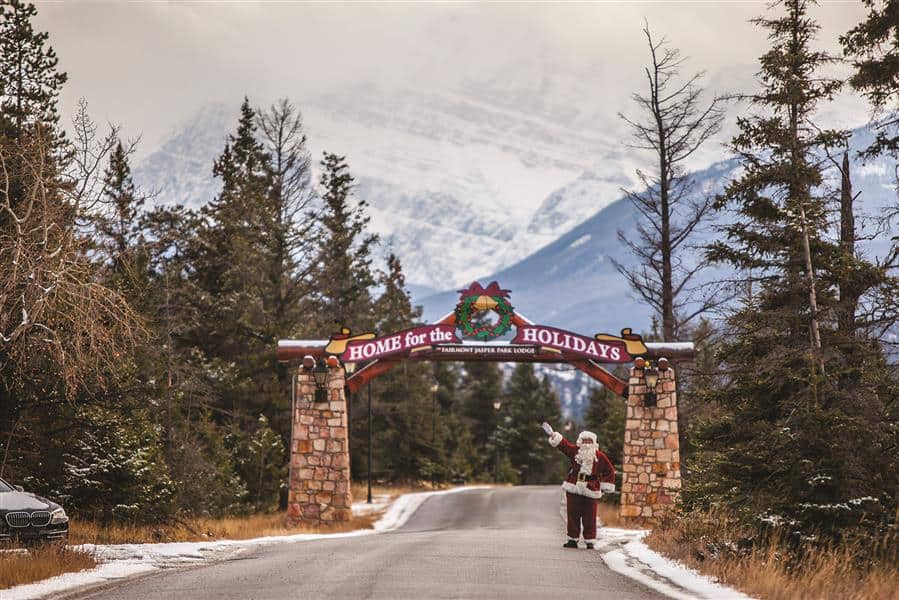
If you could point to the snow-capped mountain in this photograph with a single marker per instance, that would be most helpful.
(477, 180)
(459, 182)
(572, 283)
(180, 171)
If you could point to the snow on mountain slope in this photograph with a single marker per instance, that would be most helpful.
(180, 171)
(574, 202)
(571, 283)
(457, 185)
(478, 180)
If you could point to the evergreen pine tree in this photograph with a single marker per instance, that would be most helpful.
(873, 46)
(118, 224)
(458, 451)
(119, 192)
(779, 357)
(344, 278)
(231, 250)
(481, 388)
(605, 417)
(529, 402)
(115, 470)
(259, 456)
(236, 279)
(29, 88)
(28, 74)
(237, 218)
(406, 432)
(202, 458)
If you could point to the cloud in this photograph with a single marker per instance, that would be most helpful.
(150, 65)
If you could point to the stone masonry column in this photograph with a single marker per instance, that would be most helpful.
(650, 479)
(319, 491)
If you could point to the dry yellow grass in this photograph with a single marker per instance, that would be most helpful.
(231, 528)
(770, 572)
(203, 529)
(17, 568)
(608, 515)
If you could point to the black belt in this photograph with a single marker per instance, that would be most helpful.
(582, 477)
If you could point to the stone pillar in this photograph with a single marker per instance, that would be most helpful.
(319, 491)
(650, 481)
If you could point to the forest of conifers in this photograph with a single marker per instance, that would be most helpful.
(138, 374)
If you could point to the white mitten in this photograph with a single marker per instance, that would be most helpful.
(547, 428)
(606, 487)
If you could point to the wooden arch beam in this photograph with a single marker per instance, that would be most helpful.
(378, 367)
(295, 350)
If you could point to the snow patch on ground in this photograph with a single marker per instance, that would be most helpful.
(118, 561)
(624, 552)
(379, 503)
(406, 505)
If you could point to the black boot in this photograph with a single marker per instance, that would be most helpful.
(589, 546)
(570, 544)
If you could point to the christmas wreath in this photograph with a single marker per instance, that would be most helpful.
(477, 299)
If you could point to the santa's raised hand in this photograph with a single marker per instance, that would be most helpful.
(554, 437)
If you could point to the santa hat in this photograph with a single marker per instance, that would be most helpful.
(586, 435)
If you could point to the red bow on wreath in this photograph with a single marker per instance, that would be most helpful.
(476, 289)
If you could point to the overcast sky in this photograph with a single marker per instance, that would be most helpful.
(149, 66)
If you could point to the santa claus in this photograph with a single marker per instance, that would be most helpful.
(590, 474)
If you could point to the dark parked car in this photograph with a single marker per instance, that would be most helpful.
(27, 518)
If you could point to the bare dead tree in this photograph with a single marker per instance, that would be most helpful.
(58, 322)
(867, 286)
(850, 291)
(281, 127)
(673, 124)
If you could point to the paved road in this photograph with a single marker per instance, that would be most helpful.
(490, 543)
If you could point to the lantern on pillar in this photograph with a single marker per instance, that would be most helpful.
(651, 377)
(320, 373)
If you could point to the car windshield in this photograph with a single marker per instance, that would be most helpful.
(5, 487)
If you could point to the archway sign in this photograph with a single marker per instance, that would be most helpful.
(319, 467)
(461, 335)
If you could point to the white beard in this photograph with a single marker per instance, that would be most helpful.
(586, 456)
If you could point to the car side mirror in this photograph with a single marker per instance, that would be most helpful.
(19, 488)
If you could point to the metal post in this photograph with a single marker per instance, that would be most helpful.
(293, 412)
(349, 425)
(369, 442)
(433, 433)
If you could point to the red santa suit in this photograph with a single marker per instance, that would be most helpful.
(589, 475)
